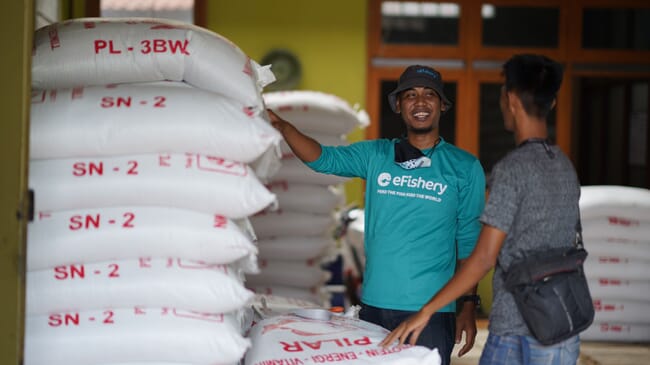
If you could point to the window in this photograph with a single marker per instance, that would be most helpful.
(515, 26)
(181, 10)
(606, 28)
(421, 23)
(613, 129)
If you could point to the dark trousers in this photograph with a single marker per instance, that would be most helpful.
(439, 333)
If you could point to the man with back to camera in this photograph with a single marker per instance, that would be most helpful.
(422, 203)
(533, 204)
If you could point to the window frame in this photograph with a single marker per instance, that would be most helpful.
(582, 55)
(93, 10)
(379, 49)
(472, 56)
(479, 51)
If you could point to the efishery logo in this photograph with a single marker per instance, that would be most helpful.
(385, 179)
(427, 72)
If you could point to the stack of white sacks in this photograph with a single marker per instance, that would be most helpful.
(296, 239)
(616, 232)
(142, 187)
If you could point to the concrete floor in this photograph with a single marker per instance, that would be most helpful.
(591, 353)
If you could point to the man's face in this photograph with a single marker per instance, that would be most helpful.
(420, 108)
(504, 104)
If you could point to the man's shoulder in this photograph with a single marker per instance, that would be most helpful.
(517, 157)
(378, 144)
(458, 154)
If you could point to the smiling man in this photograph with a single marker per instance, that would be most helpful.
(422, 203)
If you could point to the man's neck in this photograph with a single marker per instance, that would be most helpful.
(530, 128)
(423, 141)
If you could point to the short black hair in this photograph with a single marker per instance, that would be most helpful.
(536, 79)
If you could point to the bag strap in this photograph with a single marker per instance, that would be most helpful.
(578, 243)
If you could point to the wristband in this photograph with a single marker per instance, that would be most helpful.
(470, 298)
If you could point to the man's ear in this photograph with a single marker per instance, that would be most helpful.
(514, 103)
(398, 110)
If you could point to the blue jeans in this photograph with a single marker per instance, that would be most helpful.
(525, 350)
(439, 333)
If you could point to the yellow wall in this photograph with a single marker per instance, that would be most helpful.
(15, 70)
(328, 37)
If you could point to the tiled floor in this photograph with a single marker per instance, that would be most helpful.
(591, 353)
(472, 357)
(605, 353)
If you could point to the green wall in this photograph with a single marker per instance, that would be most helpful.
(328, 37)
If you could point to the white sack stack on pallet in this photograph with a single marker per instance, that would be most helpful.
(616, 232)
(149, 144)
(308, 201)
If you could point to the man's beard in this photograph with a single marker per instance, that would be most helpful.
(423, 130)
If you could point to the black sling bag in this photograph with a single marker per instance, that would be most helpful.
(551, 292)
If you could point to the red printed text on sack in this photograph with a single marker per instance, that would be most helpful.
(599, 306)
(112, 102)
(619, 221)
(147, 46)
(94, 221)
(76, 271)
(606, 327)
(74, 319)
(385, 351)
(334, 357)
(292, 361)
(81, 169)
(298, 346)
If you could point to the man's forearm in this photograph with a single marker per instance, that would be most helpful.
(304, 147)
(468, 296)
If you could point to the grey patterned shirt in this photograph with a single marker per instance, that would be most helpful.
(534, 199)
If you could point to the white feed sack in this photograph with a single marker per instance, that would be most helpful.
(265, 305)
(92, 51)
(628, 249)
(307, 198)
(324, 139)
(293, 170)
(129, 232)
(204, 183)
(294, 248)
(316, 112)
(621, 310)
(612, 200)
(136, 335)
(623, 289)
(617, 332)
(616, 227)
(306, 339)
(281, 223)
(616, 267)
(147, 282)
(128, 119)
(311, 295)
(298, 274)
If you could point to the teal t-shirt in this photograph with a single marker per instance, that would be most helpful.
(417, 222)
